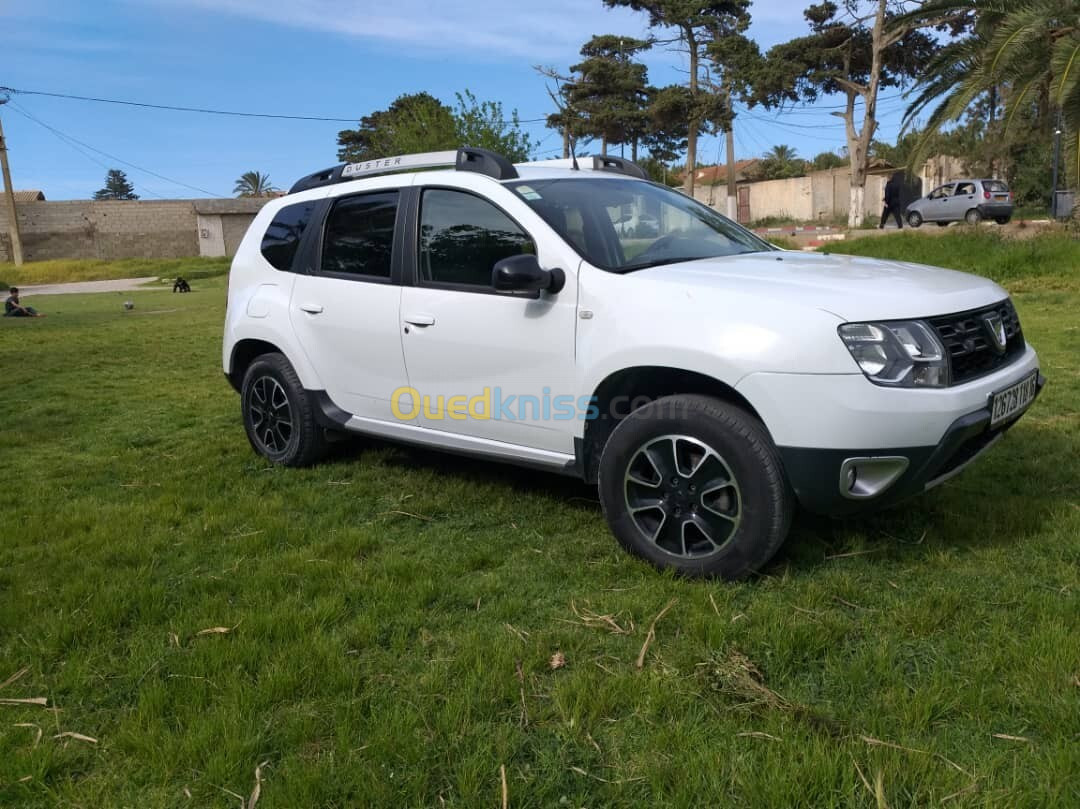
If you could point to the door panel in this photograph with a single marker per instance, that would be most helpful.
(353, 341)
(472, 354)
(345, 311)
(500, 348)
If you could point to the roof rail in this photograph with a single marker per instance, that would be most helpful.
(481, 161)
(615, 165)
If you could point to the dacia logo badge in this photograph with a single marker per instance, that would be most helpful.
(996, 327)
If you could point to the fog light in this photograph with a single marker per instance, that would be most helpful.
(863, 478)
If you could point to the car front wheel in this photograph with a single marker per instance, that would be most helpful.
(279, 416)
(914, 219)
(694, 484)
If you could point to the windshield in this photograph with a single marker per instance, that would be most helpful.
(625, 225)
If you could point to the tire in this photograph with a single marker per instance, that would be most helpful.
(914, 219)
(1002, 220)
(973, 217)
(710, 464)
(279, 416)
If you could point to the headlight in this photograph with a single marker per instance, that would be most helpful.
(898, 353)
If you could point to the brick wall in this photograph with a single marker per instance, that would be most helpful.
(111, 230)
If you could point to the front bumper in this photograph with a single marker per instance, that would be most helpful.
(815, 474)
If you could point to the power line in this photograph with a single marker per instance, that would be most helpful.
(235, 113)
(72, 140)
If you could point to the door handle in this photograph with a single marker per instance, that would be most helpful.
(420, 320)
(311, 308)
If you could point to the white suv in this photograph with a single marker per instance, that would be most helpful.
(705, 380)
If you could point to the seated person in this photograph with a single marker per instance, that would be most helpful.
(12, 307)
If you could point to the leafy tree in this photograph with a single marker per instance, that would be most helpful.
(1028, 54)
(696, 24)
(609, 94)
(482, 125)
(780, 163)
(855, 55)
(416, 122)
(253, 184)
(116, 187)
(827, 160)
(419, 122)
(669, 128)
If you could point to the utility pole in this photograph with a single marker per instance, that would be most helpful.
(9, 199)
(1057, 161)
(732, 191)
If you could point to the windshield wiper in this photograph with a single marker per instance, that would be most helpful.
(644, 265)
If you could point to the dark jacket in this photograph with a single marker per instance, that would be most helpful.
(894, 189)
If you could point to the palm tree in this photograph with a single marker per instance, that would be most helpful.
(1027, 51)
(253, 184)
(782, 154)
(781, 162)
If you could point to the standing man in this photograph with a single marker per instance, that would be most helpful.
(894, 192)
(12, 307)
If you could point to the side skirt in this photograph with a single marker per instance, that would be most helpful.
(332, 417)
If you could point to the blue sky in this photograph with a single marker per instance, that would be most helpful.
(331, 58)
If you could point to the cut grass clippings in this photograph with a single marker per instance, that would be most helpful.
(408, 628)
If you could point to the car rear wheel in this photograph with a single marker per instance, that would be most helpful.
(279, 416)
(973, 217)
(695, 484)
(914, 219)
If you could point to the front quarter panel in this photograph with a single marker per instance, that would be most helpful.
(629, 321)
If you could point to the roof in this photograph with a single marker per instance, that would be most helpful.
(714, 175)
(29, 196)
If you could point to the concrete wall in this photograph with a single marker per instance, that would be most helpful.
(87, 229)
(819, 196)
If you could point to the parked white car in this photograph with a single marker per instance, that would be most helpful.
(706, 381)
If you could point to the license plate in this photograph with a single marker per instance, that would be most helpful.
(1001, 197)
(1014, 399)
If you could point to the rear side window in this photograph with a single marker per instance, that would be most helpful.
(282, 238)
(359, 237)
(995, 186)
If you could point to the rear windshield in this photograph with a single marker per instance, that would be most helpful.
(995, 186)
(624, 225)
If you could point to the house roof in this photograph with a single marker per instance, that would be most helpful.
(29, 196)
(713, 175)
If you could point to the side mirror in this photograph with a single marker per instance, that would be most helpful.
(524, 274)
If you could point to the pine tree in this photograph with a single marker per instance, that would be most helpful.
(116, 187)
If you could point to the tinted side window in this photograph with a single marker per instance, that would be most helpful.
(462, 236)
(283, 236)
(359, 236)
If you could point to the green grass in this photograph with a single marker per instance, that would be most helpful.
(392, 612)
(1053, 254)
(65, 270)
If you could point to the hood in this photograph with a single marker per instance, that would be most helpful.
(850, 287)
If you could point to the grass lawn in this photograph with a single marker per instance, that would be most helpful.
(379, 630)
(63, 271)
